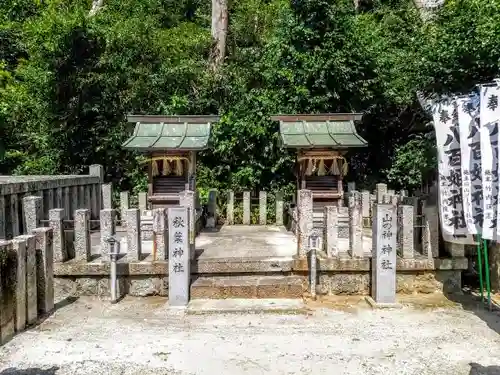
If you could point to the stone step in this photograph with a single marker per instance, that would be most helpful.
(247, 287)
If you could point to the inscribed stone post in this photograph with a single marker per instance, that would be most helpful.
(246, 208)
(331, 231)
(305, 216)
(187, 200)
(44, 269)
(143, 201)
(107, 194)
(82, 235)
(2, 217)
(179, 272)
(107, 221)
(355, 225)
(262, 208)
(56, 216)
(124, 206)
(32, 213)
(160, 232)
(212, 209)
(279, 208)
(380, 190)
(133, 221)
(7, 295)
(230, 208)
(19, 247)
(430, 231)
(31, 279)
(384, 254)
(405, 231)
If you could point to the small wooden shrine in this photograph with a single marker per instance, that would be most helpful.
(321, 142)
(171, 144)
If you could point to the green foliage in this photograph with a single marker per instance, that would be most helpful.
(67, 81)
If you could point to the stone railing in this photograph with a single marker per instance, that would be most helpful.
(27, 282)
(66, 192)
(247, 208)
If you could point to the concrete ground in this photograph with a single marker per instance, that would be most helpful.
(142, 336)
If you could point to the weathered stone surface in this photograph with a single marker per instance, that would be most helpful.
(32, 206)
(124, 206)
(19, 247)
(405, 231)
(355, 225)
(134, 244)
(349, 283)
(56, 217)
(44, 269)
(143, 201)
(107, 219)
(160, 230)
(30, 184)
(454, 249)
(13, 217)
(230, 208)
(279, 208)
(187, 199)
(7, 291)
(305, 216)
(351, 186)
(430, 231)
(331, 234)
(82, 235)
(365, 204)
(140, 286)
(262, 208)
(31, 279)
(107, 195)
(246, 208)
(179, 272)
(380, 190)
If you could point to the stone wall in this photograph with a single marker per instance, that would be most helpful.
(66, 192)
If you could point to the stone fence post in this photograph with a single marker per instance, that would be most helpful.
(430, 231)
(124, 206)
(32, 207)
(107, 196)
(405, 246)
(82, 235)
(212, 209)
(160, 231)
(230, 208)
(134, 243)
(44, 269)
(331, 231)
(305, 216)
(279, 208)
(56, 216)
(262, 207)
(246, 208)
(355, 225)
(107, 220)
(380, 190)
(143, 201)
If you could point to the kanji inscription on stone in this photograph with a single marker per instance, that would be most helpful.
(179, 263)
(384, 253)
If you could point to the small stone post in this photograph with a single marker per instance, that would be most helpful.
(143, 201)
(212, 209)
(107, 196)
(187, 199)
(230, 208)
(351, 186)
(331, 231)
(82, 235)
(365, 207)
(14, 216)
(56, 216)
(405, 232)
(32, 213)
(107, 220)
(44, 269)
(96, 195)
(262, 207)
(31, 279)
(279, 208)
(246, 208)
(7, 306)
(355, 225)
(430, 231)
(305, 216)
(124, 206)
(384, 255)
(160, 232)
(133, 224)
(179, 272)
(19, 247)
(381, 189)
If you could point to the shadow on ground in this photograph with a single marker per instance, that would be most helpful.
(30, 371)
(477, 369)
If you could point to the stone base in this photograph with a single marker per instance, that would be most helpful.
(377, 305)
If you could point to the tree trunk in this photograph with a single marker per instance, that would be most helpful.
(96, 6)
(219, 32)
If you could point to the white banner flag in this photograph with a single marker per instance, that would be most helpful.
(445, 116)
(470, 146)
(489, 116)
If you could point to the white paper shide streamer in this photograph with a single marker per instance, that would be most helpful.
(445, 116)
(470, 146)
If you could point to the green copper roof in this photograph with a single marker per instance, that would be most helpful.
(311, 134)
(161, 133)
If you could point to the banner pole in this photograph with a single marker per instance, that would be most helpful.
(487, 272)
(480, 266)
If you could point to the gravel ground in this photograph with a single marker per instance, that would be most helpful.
(141, 336)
